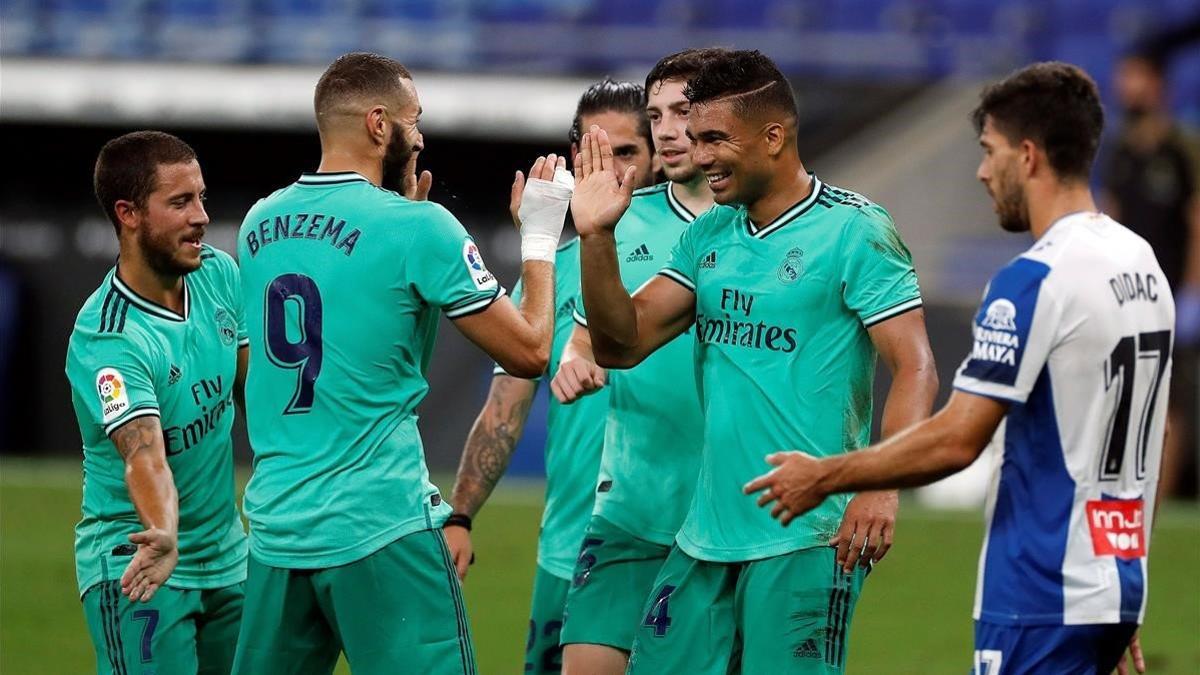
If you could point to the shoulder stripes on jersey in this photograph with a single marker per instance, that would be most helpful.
(474, 306)
(150, 307)
(678, 277)
(834, 195)
(112, 314)
(797, 210)
(677, 206)
(893, 311)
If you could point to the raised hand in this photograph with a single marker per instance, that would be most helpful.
(601, 196)
(156, 557)
(539, 207)
(414, 188)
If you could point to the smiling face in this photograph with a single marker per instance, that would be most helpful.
(731, 151)
(170, 225)
(999, 171)
(668, 110)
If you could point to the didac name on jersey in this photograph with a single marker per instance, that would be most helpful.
(995, 336)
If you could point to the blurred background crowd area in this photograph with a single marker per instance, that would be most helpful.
(884, 87)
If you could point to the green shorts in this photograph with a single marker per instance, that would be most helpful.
(400, 609)
(787, 614)
(543, 653)
(613, 576)
(178, 632)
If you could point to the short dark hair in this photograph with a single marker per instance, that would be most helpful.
(609, 95)
(127, 168)
(1056, 105)
(682, 65)
(749, 78)
(355, 75)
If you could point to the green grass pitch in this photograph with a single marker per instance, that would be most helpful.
(914, 616)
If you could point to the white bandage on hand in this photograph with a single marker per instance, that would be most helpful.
(543, 211)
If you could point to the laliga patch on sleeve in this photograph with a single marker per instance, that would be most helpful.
(480, 275)
(114, 398)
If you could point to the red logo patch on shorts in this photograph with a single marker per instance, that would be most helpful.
(1117, 528)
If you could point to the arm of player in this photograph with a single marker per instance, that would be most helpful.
(938, 447)
(578, 375)
(239, 378)
(624, 330)
(486, 455)
(868, 525)
(519, 340)
(151, 488)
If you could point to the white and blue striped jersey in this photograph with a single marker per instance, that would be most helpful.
(1075, 335)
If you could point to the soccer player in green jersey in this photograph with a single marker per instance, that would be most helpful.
(575, 433)
(654, 428)
(343, 283)
(155, 361)
(792, 288)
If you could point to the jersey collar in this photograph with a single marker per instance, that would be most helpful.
(677, 206)
(151, 307)
(331, 178)
(795, 211)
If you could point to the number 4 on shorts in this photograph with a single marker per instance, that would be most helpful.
(659, 617)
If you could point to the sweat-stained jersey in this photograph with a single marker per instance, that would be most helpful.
(1075, 335)
(343, 283)
(783, 354)
(129, 357)
(574, 435)
(654, 432)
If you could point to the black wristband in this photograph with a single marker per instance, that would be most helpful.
(458, 520)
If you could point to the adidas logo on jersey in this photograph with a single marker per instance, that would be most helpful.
(807, 650)
(710, 261)
(174, 375)
(640, 254)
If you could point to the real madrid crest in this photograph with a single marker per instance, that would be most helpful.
(226, 326)
(792, 266)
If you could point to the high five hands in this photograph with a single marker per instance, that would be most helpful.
(601, 196)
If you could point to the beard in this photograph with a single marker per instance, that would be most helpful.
(159, 251)
(395, 163)
(1013, 209)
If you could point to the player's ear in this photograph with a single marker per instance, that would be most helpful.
(1030, 158)
(775, 136)
(127, 213)
(377, 125)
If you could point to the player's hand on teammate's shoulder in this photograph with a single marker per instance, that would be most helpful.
(867, 527)
(577, 378)
(601, 196)
(152, 564)
(416, 188)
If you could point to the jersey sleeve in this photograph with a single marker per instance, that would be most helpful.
(119, 376)
(447, 269)
(681, 263)
(878, 279)
(1015, 330)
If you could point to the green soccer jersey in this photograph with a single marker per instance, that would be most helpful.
(128, 358)
(574, 436)
(655, 430)
(784, 358)
(343, 282)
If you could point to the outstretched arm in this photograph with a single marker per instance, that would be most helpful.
(940, 446)
(624, 330)
(151, 488)
(519, 339)
(488, 449)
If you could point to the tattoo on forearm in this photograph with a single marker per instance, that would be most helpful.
(490, 444)
(136, 435)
